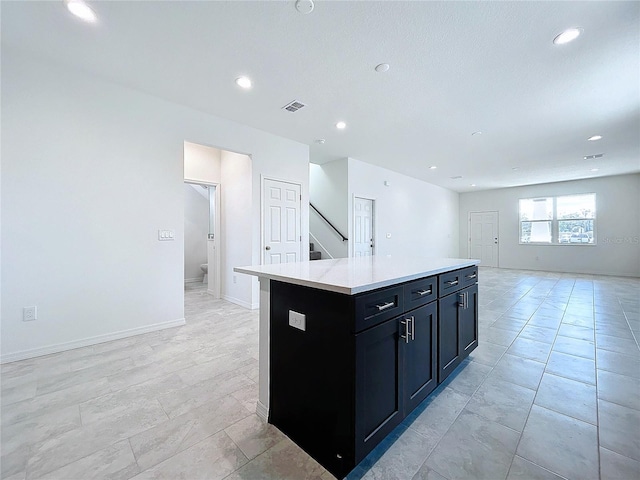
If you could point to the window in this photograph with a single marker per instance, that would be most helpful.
(567, 220)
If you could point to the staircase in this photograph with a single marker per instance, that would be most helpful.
(314, 255)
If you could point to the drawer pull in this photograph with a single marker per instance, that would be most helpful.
(384, 306)
(422, 293)
(473, 275)
(452, 283)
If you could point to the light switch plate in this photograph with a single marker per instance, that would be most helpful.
(166, 235)
(297, 320)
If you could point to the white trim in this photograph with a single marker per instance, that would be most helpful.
(192, 280)
(316, 242)
(275, 179)
(262, 411)
(85, 342)
(239, 302)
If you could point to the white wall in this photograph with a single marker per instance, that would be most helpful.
(90, 172)
(201, 163)
(617, 251)
(196, 229)
(329, 193)
(236, 227)
(422, 218)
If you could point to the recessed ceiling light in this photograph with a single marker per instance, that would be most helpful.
(81, 10)
(473, 184)
(320, 141)
(383, 67)
(594, 138)
(567, 36)
(595, 169)
(432, 167)
(590, 157)
(476, 133)
(305, 6)
(341, 125)
(244, 82)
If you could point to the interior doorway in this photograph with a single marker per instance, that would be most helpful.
(363, 227)
(483, 237)
(201, 235)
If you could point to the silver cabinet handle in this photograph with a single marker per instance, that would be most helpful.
(384, 306)
(406, 335)
(452, 283)
(464, 300)
(473, 275)
(422, 293)
(413, 328)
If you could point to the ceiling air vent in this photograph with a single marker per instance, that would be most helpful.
(589, 157)
(294, 106)
(456, 177)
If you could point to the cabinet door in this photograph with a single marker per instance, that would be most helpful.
(420, 361)
(469, 321)
(379, 383)
(449, 353)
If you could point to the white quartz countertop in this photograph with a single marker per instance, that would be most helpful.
(356, 275)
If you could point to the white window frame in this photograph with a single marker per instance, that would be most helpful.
(555, 221)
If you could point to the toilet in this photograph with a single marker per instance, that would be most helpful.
(205, 269)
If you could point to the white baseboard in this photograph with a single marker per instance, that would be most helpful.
(237, 301)
(85, 342)
(193, 280)
(262, 411)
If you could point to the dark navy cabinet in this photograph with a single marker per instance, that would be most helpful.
(363, 362)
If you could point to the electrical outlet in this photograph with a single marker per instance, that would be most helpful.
(29, 314)
(297, 320)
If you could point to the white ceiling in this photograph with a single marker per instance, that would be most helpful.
(456, 68)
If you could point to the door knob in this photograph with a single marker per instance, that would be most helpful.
(267, 247)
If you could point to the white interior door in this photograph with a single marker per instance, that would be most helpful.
(281, 206)
(363, 237)
(483, 237)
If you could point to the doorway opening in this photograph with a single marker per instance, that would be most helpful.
(363, 227)
(233, 242)
(201, 235)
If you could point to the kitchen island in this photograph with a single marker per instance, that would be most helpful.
(349, 347)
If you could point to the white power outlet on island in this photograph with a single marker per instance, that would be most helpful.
(297, 320)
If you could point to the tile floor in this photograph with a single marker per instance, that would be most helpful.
(553, 391)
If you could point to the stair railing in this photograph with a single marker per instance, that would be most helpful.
(344, 239)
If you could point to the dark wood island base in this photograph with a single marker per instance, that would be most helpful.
(343, 378)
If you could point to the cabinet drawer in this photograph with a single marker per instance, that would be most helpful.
(375, 307)
(420, 292)
(470, 276)
(451, 282)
